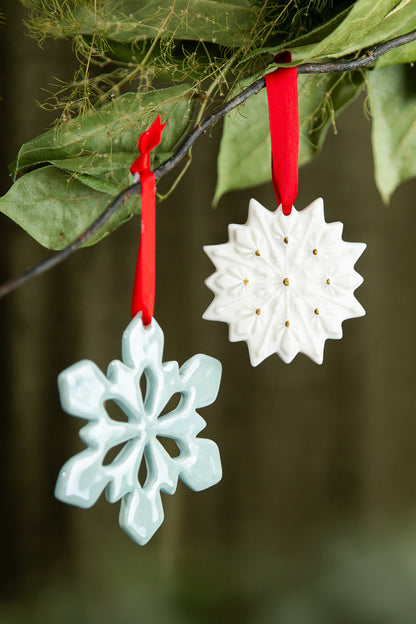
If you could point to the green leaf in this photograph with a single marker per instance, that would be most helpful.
(96, 164)
(392, 93)
(301, 45)
(91, 158)
(101, 173)
(244, 157)
(366, 23)
(55, 208)
(225, 23)
(113, 128)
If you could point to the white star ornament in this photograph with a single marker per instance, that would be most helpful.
(284, 283)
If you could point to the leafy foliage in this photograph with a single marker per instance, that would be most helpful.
(392, 94)
(129, 50)
(53, 208)
(112, 19)
(111, 130)
(367, 22)
(293, 19)
(244, 157)
(91, 160)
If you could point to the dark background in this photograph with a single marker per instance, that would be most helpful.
(314, 520)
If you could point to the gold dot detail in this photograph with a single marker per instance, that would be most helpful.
(257, 252)
(287, 324)
(286, 281)
(315, 252)
(328, 281)
(258, 311)
(286, 239)
(246, 281)
(316, 311)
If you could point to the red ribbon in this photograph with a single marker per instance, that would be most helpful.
(143, 299)
(282, 97)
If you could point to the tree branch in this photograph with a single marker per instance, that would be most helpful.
(307, 68)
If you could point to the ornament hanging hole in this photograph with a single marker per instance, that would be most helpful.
(143, 386)
(170, 446)
(112, 454)
(115, 411)
(171, 405)
(143, 470)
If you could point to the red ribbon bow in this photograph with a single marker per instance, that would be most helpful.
(282, 97)
(143, 299)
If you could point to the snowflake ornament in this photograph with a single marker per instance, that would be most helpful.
(84, 390)
(284, 283)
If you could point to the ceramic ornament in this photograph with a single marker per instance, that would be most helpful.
(284, 282)
(84, 391)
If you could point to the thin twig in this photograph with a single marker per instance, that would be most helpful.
(307, 68)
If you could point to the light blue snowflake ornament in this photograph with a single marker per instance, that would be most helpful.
(84, 391)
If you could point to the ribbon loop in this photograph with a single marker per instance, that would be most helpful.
(143, 299)
(282, 97)
(148, 140)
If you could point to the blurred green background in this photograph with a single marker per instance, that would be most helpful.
(314, 520)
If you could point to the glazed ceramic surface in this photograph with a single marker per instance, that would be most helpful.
(85, 392)
(284, 283)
